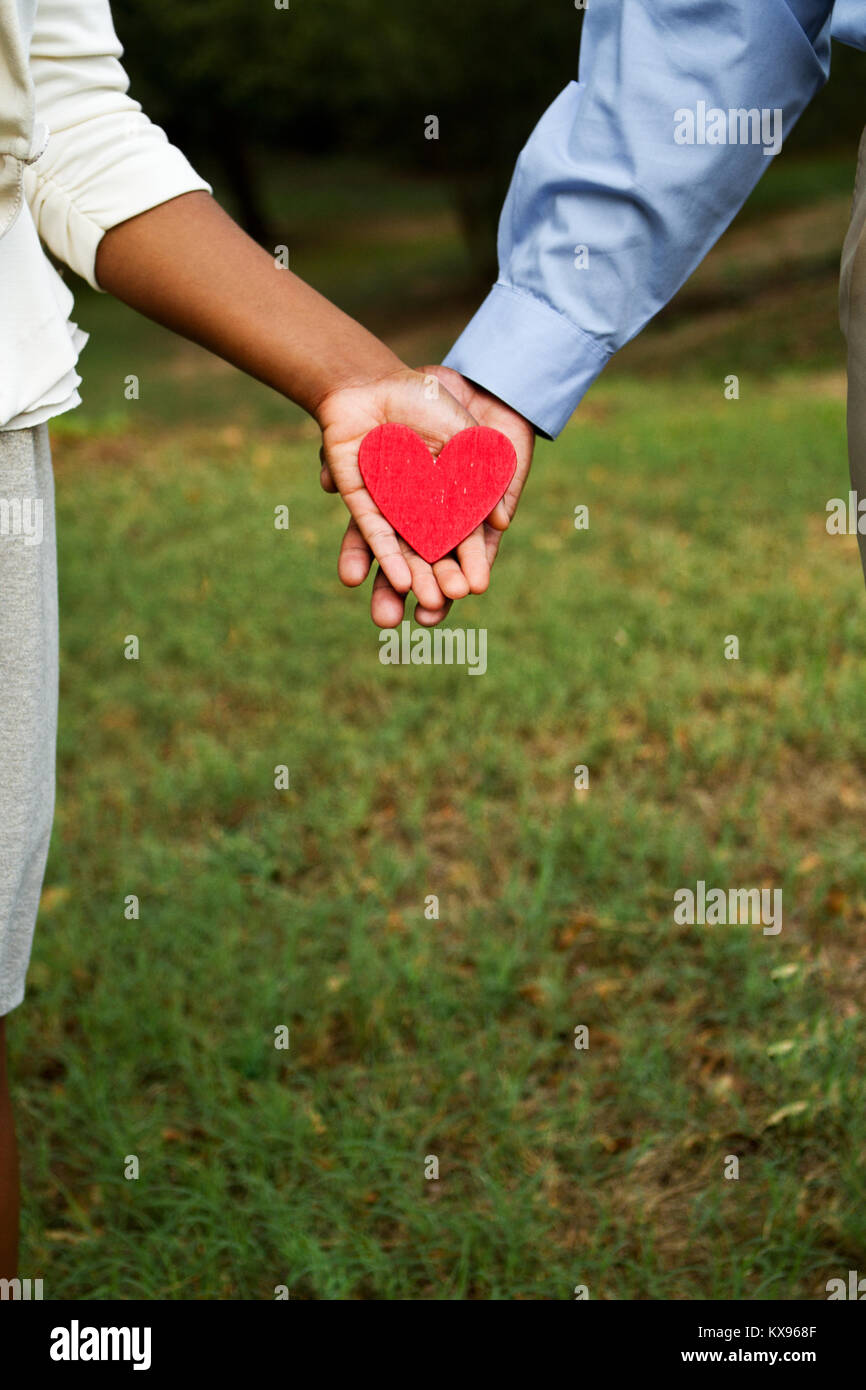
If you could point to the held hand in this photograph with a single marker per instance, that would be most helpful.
(491, 411)
(187, 265)
(345, 417)
(387, 601)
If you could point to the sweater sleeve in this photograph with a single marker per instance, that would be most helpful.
(104, 160)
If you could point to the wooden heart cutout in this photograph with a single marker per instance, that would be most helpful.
(434, 503)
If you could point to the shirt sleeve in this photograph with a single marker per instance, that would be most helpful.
(628, 180)
(104, 160)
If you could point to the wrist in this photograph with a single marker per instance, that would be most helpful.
(385, 371)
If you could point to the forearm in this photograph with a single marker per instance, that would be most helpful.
(187, 265)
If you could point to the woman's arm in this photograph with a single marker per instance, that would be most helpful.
(186, 264)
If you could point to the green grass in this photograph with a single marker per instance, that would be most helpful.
(305, 908)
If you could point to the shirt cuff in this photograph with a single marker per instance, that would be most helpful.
(530, 356)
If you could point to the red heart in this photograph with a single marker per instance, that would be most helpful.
(434, 503)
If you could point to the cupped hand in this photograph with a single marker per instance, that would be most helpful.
(478, 551)
(345, 416)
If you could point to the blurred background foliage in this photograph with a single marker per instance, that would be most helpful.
(359, 77)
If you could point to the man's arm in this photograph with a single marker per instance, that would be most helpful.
(607, 215)
(611, 206)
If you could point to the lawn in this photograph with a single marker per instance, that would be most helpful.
(414, 1037)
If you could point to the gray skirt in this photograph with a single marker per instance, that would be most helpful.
(28, 693)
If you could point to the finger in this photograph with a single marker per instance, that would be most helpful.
(453, 382)
(472, 554)
(424, 584)
(502, 514)
(429, 617)
(499, 518)
(326, 481)
(380, 537)
(492, 539)
(508, 505)
(353, 563)
(450, 578)
(386, 605)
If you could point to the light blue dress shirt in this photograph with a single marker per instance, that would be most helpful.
(631, 176)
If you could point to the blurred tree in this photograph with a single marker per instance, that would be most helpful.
(235, 80)
(230, 79)
(838, 114)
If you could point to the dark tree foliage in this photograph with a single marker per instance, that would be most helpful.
(234, 81)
